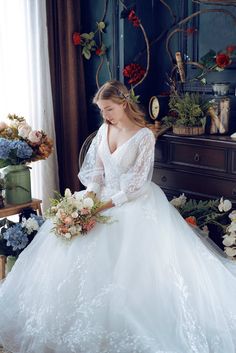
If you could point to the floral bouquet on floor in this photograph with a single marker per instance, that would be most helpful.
(75, 214)
(16, 236)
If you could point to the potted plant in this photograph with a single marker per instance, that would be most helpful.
(187, 113)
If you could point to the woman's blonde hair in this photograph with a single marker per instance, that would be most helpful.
(118, 93)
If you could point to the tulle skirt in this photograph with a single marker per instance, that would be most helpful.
(144, 284)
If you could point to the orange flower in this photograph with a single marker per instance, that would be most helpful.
(191, 220)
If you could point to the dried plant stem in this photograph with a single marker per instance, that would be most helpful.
(100, 43)
(188, 18)
(148, 56)
(170, 9)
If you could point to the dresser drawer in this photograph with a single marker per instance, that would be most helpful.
(194, 183)
(161, 151)
(200, 156)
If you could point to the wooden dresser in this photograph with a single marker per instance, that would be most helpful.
(202, 167)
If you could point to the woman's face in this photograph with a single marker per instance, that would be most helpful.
(112, 112)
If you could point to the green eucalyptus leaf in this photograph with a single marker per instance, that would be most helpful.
(91, 35)
(86, 52)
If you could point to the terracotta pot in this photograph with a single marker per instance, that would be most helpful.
(188, 131)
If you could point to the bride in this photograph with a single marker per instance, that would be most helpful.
(145, 283)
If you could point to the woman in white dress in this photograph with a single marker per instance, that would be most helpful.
(144, 284)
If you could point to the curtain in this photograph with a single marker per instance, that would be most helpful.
(68, 87)
(25, 86)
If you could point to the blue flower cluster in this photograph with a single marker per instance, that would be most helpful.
(20, 148)
(16, 235)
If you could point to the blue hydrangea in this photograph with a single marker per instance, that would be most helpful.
(39, 219)
(16, 237)
(5, 147)
(23, 150)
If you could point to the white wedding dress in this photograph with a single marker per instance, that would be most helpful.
(144, 284)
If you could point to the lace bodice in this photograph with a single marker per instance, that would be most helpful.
(123, 174)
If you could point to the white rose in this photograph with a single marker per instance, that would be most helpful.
(232, 228)
(88, 202)
(225, 205)
(232, 215)
(67, 235)
(35, 136)
(228, 241)
(73, 230)
(3, 125)
(78, 195)
(230, 251)
(24, 131)
(179, 201)
(68, 193)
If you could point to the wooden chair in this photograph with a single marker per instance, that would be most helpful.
(85, 147)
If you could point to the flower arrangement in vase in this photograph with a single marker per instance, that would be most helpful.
(187, 113)
(19, 146)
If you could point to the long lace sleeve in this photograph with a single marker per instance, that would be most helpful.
(91, 173)
(134, 182)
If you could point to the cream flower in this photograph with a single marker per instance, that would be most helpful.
(35, 136)
(232, 215)
(230, 251)
(2, 125)
(74, 214)
(232, 228)
(88, 202)
(68, 193)
(179, 201)
(24, 131)
(225, 205)
(229, 241)
(67, 235)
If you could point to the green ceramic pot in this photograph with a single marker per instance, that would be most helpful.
(18, 186)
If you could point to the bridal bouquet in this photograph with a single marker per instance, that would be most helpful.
(75, 214)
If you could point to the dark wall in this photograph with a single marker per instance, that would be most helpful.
(126, 44)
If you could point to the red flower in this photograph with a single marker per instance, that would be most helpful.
(133, 18)
(231, 48)
(134, 72)
(191, 220)
(76, 38)
(99, 52)
(190, 30)
(222, 60)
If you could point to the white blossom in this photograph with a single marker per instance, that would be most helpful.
(230, 251)
(30, 224)
(232, 215)
(224, 205)
(232, 228)
(67, 235)
(179, 201)
(35, 136)
(24, 131)
(88, 202)
(68, 193)
(229, 240)
(2, 125)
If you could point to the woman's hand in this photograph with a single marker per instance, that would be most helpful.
(105, 206)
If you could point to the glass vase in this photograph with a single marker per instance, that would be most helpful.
(18, 185)
(10, 263)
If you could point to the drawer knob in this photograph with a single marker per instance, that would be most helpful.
(196, 157)
(164, 178)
